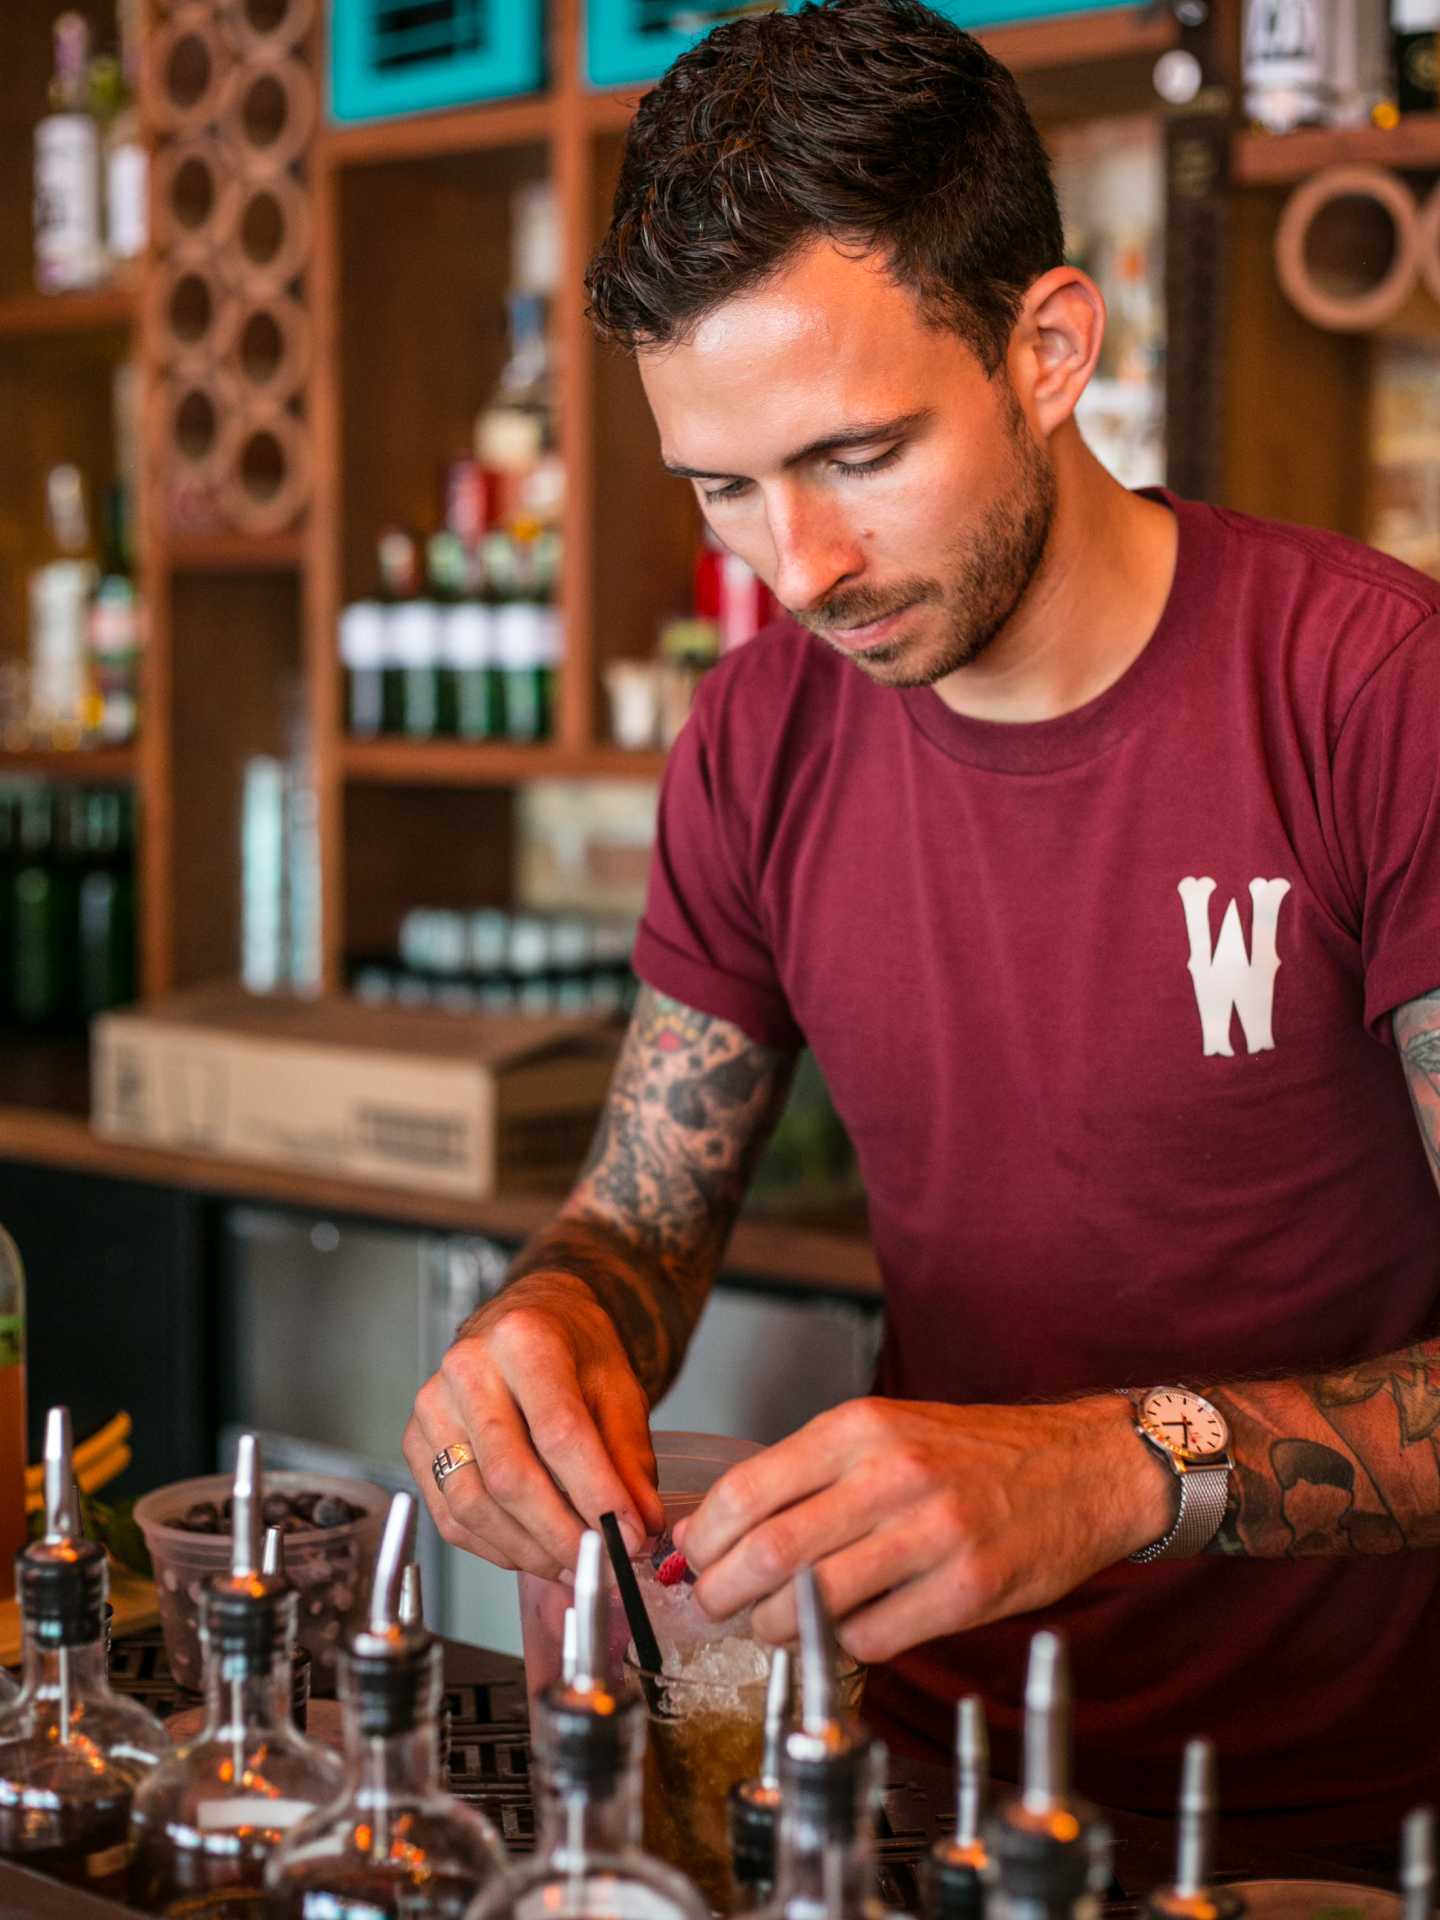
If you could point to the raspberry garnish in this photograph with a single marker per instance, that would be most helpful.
(672, 1569)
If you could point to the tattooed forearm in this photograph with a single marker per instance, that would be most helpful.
(690, 1108)
(1347, 1461)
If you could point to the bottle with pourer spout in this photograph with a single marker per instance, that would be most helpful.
(72, 1752)
(831, 1778)
(588, 1740)
(1048, 1850)
(952, 1875)
(1192, 1896)
(206, 1822)
(394, 1844)
(755, 1804)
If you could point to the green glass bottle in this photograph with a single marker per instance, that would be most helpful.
(43, 903)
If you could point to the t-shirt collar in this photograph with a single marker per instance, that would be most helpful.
(1046, 746)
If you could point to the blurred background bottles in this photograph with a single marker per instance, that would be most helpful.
(67, 904)
(90, 170)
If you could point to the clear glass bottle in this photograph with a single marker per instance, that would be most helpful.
(71, 1752)
(1048, 1852)
(68, 250)
(208, 1819)
(588, 1744)
(394, 1846)
(831, 1778)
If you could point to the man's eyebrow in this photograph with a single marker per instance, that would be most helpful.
(862, 435)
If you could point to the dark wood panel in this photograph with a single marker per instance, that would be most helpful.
(409, 847)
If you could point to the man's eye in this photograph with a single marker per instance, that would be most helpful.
(730, 491)
(862, 467)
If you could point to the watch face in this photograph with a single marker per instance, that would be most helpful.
(1187, 1424)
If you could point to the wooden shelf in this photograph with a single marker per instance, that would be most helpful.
(502, 123)
(458, 763)
(236, 553)
(1269, 159)
(1081, 39)
(80, 764)
(35, 315)
(822, 1259)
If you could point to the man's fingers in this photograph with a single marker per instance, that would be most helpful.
(765, 1560)
(462, 1509)
(851, 1579)
(419, 1453)
(789, 1471)
(623, 1415)
(569, 1442)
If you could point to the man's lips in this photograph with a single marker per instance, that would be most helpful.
(870, 633)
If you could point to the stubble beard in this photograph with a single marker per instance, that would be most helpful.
(988, 574)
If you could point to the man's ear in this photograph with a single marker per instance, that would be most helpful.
(1055, 345)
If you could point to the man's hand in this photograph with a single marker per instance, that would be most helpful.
(926, 1519)
(539, 1388)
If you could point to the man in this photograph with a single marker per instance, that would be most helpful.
(1092, 841)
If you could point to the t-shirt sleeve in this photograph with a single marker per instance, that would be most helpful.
(702, 941)
(1386, 773)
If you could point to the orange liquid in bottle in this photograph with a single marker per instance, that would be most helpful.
(13, 1529)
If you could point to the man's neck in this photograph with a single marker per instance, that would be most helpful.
(1091, 609)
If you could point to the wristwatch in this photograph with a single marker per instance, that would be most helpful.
(1192, 1437)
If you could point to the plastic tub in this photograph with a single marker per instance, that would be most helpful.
(689, 1464)
(329, 1565)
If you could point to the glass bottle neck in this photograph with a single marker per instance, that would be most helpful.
(573, 1819)
(398, 1766)
(820, 1872)
(52, 1671)
(240, 1693)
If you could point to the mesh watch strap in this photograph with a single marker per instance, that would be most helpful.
(1204, 1492)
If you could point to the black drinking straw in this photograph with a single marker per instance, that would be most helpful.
(647, 1647)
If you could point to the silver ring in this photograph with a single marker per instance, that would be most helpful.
(450, 1460)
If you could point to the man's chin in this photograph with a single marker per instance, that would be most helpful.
(892, 664)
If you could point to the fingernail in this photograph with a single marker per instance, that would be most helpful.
(681, 1528)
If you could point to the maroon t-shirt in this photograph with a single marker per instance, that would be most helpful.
(1104, 1002)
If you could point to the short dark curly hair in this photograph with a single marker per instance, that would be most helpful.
(876, 124)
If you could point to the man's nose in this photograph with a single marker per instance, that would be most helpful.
(815, 552)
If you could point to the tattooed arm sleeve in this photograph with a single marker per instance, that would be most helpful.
(1348, 1461)
(691, 1105)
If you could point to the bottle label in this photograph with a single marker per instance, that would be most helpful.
(12, 1339)
(67, 203)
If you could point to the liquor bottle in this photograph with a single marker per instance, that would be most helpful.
(954, 1870)
(515, 433)
(12, 1411)
(1315, 65)
(1415, 32)
(755, 1804)
(114, 630)
(1048, 1851)
(831, 1777)
(60, 593)
(68, 250)
(101, 846)
(114, 85)
(206, 1822)
(393, 1844)
(44, 917)
(1192, 1892)
(71, 1752)
(588, 1744)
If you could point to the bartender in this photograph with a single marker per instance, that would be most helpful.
(1091, 840)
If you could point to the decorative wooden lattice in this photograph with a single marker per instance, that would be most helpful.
(232, 98)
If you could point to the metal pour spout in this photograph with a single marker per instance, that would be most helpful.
(62, 1504)
(247, 1496)
(777, 1716)
(1046, 1782)
(397, 1546)
(972, 1770)
(272, 1559)
(591, 1610)
(412, 1598)
(1417, 1864)
(1197, 1820)
(817, 1656)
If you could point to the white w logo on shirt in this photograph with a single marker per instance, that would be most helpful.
(1227, 979)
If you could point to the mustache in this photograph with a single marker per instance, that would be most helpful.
(864, 604)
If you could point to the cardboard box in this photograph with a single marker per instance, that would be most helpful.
(445, 1103)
